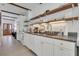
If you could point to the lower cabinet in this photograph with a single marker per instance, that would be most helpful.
(64, 48)
(37, 46)
(61, 51)
(29, 41)
(47, 47)
(44, 46)
(26, 40)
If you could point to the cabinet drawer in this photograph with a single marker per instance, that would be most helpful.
(65, 44)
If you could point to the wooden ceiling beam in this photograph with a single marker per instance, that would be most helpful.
(10, 12)
(19, 6)
(9, 16)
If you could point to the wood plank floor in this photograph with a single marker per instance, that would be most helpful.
(11, 47)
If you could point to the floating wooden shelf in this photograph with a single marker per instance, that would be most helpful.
(64, 7)
(71, 18)
(61, 8)
(63, 19)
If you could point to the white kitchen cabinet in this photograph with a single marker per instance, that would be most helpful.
(64, 48)
(44, 46)
(22, 38)
(29, 40)
(61, 51)
(47, 46)
(38, 48)
(57, 51)
(26, 39)
(47, 49)
(32, 42)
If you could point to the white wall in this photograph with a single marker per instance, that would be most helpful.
(43, 7)
(73, 26)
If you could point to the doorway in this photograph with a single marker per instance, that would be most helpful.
(7, 29)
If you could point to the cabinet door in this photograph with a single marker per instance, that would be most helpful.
(22, 38)
(61, 51)
(57, 51)
(64, 48)
(47, 47)
(32, 42)
(26, 40)
(67, 52)
(37, 45)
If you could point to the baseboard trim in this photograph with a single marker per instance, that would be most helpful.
(30, 50)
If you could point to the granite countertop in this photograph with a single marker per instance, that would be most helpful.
(66, 38)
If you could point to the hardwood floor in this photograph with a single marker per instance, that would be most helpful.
(11, 47)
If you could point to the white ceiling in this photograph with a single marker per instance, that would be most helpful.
(29, 5)
(32, 6)
(36, 8)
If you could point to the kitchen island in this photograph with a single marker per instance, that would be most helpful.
(47, 45)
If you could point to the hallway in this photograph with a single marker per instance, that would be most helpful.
(11, 47)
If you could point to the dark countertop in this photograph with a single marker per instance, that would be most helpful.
(65, 38)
